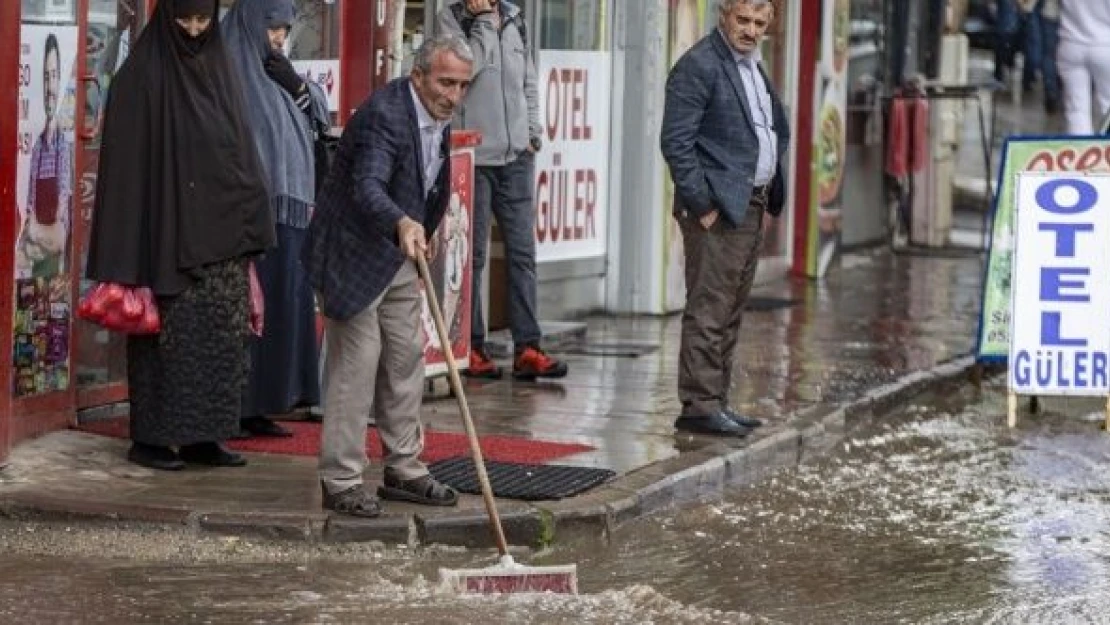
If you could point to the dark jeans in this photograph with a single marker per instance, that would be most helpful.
(1032, 46)
(506, 193)
(1007, 25)
(720, 269)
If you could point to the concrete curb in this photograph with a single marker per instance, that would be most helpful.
(693, 476)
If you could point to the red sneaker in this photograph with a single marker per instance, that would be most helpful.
(532, 363)
(482, 366)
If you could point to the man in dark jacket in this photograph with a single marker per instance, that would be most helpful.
(383, 200)
(724, 138)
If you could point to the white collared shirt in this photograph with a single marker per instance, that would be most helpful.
(431, 141)
(759, 102)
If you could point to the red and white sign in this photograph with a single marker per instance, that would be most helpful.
(451, 270)
(572, 169)
(323, 72)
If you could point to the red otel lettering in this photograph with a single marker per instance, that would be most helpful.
(567, 105)
(566, 208)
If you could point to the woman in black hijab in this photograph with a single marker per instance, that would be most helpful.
(181, 207)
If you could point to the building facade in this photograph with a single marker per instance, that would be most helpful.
(605, 237)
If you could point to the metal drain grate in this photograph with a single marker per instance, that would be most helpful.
(529, 482)
(607, 349)
(766, 304)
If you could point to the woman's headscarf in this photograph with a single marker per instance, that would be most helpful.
(280, 129)
(179, 185)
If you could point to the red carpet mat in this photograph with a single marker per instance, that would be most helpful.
(437, 445)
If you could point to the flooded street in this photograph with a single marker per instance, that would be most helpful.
(934, 514)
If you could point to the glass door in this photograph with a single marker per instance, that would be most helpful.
(100, 360)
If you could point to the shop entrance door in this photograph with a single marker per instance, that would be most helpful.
(100, 357)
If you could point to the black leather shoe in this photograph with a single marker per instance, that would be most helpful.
(155, 457)
(717, 423)
(263, 426)
(212, 454)
(739, 419)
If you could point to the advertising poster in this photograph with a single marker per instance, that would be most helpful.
(1080, 154)
(572, 169)
(830, 137)
(44, 190)
(451, 270)
(1061, 289)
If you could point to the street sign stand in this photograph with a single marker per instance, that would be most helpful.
(1060, 291)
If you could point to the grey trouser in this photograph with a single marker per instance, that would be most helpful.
(720, 269)
(375, 359)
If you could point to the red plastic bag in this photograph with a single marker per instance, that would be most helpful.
(131, 310)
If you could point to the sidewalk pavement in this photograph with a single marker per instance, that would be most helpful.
(877, 330)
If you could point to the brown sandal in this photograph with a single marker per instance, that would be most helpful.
(355, 501)
(424, 490)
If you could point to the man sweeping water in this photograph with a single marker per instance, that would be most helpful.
(381, 205)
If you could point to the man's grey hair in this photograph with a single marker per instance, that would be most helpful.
(446, 42)
(726, 5)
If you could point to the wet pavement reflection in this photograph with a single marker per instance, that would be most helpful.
(876, 318)
(934, 514)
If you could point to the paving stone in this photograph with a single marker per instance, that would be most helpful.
(297, 526)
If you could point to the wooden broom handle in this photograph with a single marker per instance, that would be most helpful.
(464, 408)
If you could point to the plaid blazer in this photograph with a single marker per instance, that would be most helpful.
(708, 137)
(351, 252)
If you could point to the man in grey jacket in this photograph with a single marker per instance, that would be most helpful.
(503, 105)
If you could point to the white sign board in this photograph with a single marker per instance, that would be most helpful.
(572, 169)
(323, 72)
(1060, 332)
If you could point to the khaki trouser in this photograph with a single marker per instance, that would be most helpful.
(720, 269)
(375, 359)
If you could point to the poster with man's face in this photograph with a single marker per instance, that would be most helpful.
(45, 159)
(44, 208)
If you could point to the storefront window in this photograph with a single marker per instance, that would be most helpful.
(573, 25)
(49, 11)
(314, 46)
(316, 33)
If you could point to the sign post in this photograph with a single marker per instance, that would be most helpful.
(1060, 308)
